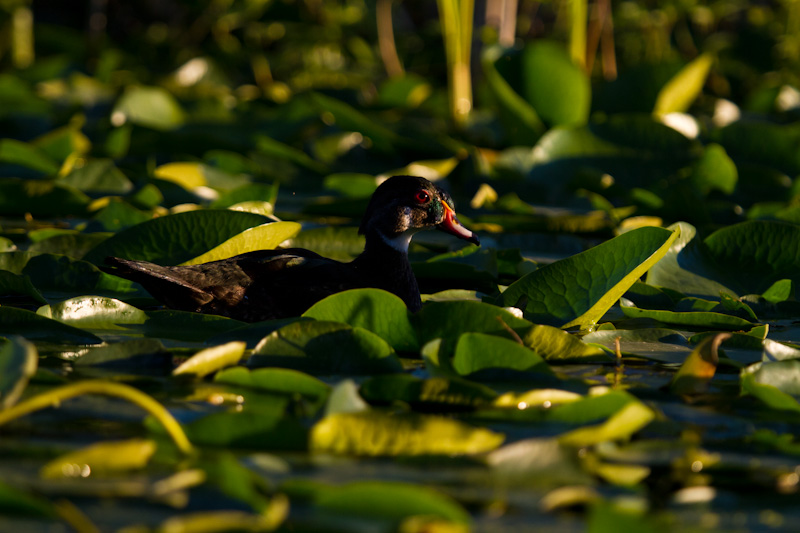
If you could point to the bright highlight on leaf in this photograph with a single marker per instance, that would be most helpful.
(263, 237)
(698, 369)
(578, 290)
(679, 93)
(101, 458)
(375, 433)
(210, 360)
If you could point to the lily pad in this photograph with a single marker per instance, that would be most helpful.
(94, 312)
(697, 319)
(391, 501)
(173, 239)
(283, 380)
(101, 458)
(441, 392)
(375, 310)
(479, 351)
(322, 347)
(263, 237)
(212, 359)
(571, 292)
(378, 434)
(15, 321)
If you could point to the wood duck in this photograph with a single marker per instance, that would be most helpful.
(269, 284)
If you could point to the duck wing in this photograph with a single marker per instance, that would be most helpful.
(255, 286)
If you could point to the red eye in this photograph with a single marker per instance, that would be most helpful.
(422, 197)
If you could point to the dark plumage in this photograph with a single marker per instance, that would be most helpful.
(269, 284)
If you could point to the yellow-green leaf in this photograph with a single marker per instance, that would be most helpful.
(699, 367)
(263, 237)
(678, 93)
(212, 359)
(374, 433)
(624, 423)
(187, 175)
(103, 457)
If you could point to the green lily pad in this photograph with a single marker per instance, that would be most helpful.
(26, 155)
(783, 375)
(378, 434)
(212, 359)
(282, 380)
(697, 319)
(41, 198)
(71, 244)
(18, 362)
(448, 320)
(265, 428)
(558, 89)
(263, 237)
(173, 239)
(61, 275)
(770, 395)
(688, 266)
(32, 326)
(94, 312)
(390, 501)
(519, 118)
(147, 354)
(98, 176)
(152, 107)
(375, 310)
(554, 345)
(184, 325)
(762, 251)
(118, 215)
(578, 290)
(452, 392)
(321, 347)
(479, 351)
(15, 285)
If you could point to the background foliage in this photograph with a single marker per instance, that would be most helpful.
(571, 134)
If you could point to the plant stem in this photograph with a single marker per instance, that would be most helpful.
(456, 20)
(386, 43)
(54, 397)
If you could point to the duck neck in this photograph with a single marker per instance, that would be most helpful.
(385, 265)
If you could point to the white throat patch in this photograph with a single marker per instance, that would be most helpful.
(402, 241)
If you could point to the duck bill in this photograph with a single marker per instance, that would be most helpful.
(450, 224)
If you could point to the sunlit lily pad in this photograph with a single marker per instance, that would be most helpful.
(101, 458)
(94, 312)
(263, 237)
(571, 293)
(697, 319)
(212, 359)
(15, 321)
(282, 380)
(173, 239)
(374, 433)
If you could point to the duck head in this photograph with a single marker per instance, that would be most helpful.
(404, 205)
